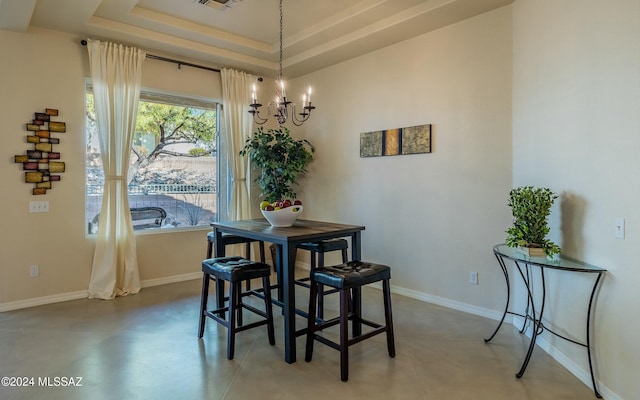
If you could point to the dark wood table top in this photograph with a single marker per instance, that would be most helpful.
(301, 230)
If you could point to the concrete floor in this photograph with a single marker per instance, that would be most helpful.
(146, 347)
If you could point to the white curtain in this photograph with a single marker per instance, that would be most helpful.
(116, 72)
(236, 87)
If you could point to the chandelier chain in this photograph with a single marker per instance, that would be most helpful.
(281, 29)
(285, 110)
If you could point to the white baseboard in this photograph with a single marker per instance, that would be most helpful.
(571, 366)
(171, 279)
(39, 301)
(83, 294)
(448, 303)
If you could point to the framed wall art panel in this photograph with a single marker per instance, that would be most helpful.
(398, 141)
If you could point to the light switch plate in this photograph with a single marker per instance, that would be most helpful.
(38, 206)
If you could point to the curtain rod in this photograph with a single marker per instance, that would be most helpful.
(171, 60)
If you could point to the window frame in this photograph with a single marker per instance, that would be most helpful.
(178, 99)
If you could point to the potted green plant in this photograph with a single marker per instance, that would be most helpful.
(530, 208)
(282, 160)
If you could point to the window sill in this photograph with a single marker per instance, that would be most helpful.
(163, 230)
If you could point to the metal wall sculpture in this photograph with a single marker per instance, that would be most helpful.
(42, 165)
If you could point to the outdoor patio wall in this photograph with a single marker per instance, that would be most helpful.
(576, 98)
(45, 69)
(433, 217)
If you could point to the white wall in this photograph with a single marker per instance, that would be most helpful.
(432, 217)
(45, 69)
(576, 125)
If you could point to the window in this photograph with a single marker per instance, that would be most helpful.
(173, 163)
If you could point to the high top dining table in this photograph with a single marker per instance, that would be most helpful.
(286, 241)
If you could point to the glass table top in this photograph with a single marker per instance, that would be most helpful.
(561, 262)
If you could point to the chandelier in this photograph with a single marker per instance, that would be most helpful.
(282, 108)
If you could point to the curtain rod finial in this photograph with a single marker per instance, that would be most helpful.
(83, 42)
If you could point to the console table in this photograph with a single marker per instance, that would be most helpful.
(525, 266)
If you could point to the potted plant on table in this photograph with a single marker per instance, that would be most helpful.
(282, 160)
(530, 208)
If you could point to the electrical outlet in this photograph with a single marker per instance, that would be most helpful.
(473, 278)
(620, 228)
(34, 271)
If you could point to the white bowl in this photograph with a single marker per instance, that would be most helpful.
(284, 216)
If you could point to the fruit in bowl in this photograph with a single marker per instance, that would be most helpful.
(281, 213)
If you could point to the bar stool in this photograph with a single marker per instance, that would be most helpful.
(345, 277)
(229, 239)
(318, 249)
(234, 239)
(234, 270)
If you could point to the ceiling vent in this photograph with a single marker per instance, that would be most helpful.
(221, 5)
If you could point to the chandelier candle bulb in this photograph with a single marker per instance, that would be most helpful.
(284, 95)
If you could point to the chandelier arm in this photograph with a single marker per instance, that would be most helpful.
(257, 118)
(294, 116)
(299, 121)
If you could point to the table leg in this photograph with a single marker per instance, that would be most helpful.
(278, 265)
(536, 321)
(356, 251)
(220, 252)
(593, 379)
(356, 244)
(527, 280)
(289, 300)
(506, 306)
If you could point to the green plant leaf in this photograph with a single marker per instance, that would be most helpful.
(530, 208)
(282, 160)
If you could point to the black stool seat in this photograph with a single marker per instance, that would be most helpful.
(349, 278)
(234, 270)
(351, 274)
(228, 239)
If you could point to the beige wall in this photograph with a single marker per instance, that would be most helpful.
(573, 127)
(42, 71)
(433, 217)
(46, 69)
(576, 98)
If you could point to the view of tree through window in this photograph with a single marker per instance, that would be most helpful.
(172, 165)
